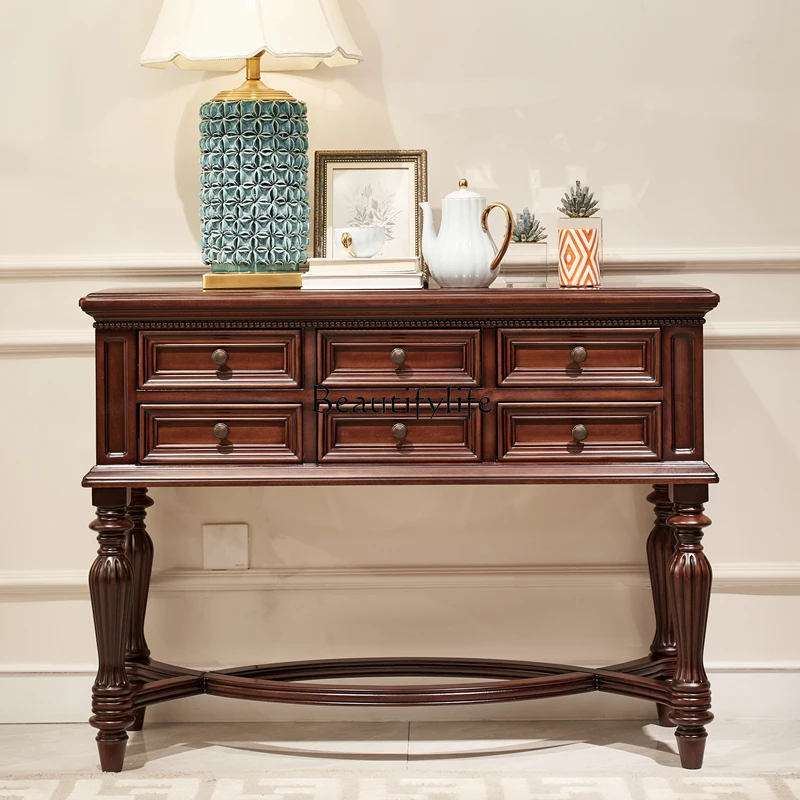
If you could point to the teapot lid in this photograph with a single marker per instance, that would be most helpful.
(462, 191)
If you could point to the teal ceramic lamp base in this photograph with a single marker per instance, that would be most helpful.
(254, 174)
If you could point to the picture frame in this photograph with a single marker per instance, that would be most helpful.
(370, 187)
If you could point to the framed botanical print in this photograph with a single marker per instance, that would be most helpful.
(370, 188)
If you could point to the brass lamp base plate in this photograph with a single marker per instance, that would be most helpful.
(252, 90)
(252, 280)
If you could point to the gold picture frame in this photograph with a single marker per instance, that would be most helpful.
(395, 206)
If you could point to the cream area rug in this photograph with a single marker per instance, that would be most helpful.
(402, 786)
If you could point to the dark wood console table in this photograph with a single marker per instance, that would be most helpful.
(288, 388)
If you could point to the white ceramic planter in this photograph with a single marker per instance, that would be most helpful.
(580, 252)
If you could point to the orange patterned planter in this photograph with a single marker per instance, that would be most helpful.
(579, 255)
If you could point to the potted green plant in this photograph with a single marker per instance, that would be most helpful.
(525, 262)
(580, 235)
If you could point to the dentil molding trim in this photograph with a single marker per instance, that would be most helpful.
(719, 336)
(177, 266)
(778, 577)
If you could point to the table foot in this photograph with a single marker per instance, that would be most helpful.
(691, 746)
(112, 752)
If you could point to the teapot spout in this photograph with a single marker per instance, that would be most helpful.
(428, 232)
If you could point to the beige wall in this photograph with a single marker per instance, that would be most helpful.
(682, 116)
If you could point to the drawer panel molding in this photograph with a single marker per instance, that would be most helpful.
(398, 358)
(196, 360)
(345, 436)
(611, 432)
(579, 357)
(223, 434)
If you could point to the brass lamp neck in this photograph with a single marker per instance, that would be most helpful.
(254, 67)
(253, 88)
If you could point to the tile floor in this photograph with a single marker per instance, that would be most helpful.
(620, 747)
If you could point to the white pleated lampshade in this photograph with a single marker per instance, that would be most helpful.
(222, 34)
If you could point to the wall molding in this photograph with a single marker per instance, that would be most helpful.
(718, 336)
(752, 335)
(178, 266)
(731, 260)
(166, 266)
(47, 343)
(778, 577)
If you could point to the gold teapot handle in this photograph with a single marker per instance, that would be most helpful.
(501, 251)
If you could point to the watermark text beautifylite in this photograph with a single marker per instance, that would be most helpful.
(453, 400)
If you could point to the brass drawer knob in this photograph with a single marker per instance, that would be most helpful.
(398, 356)
(399, 430)
(220, 357)
(220, 431)
(579, 354)
(579, 433)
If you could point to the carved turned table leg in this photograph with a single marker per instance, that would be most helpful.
(110, 588)
(139, 550)
(660, 549)
(690, 583)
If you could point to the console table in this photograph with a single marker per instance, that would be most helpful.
(259, 388)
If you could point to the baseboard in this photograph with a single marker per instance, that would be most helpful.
(772, 578)
(30, 694)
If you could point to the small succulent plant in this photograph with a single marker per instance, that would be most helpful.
(578, 202)
(527, 228)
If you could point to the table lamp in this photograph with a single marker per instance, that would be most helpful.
(254, 206)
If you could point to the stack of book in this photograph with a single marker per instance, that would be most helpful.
(329, 274)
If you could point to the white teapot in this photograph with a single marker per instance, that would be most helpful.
(463, 255)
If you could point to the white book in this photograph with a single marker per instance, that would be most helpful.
(358, 266)
(364, 281)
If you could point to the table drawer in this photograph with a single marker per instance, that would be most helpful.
(399, 358)
(351, 436)
(579, 356)
(219, 359)
(195, 434)
(554, 431)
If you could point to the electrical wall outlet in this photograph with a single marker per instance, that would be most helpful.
(225, 546)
